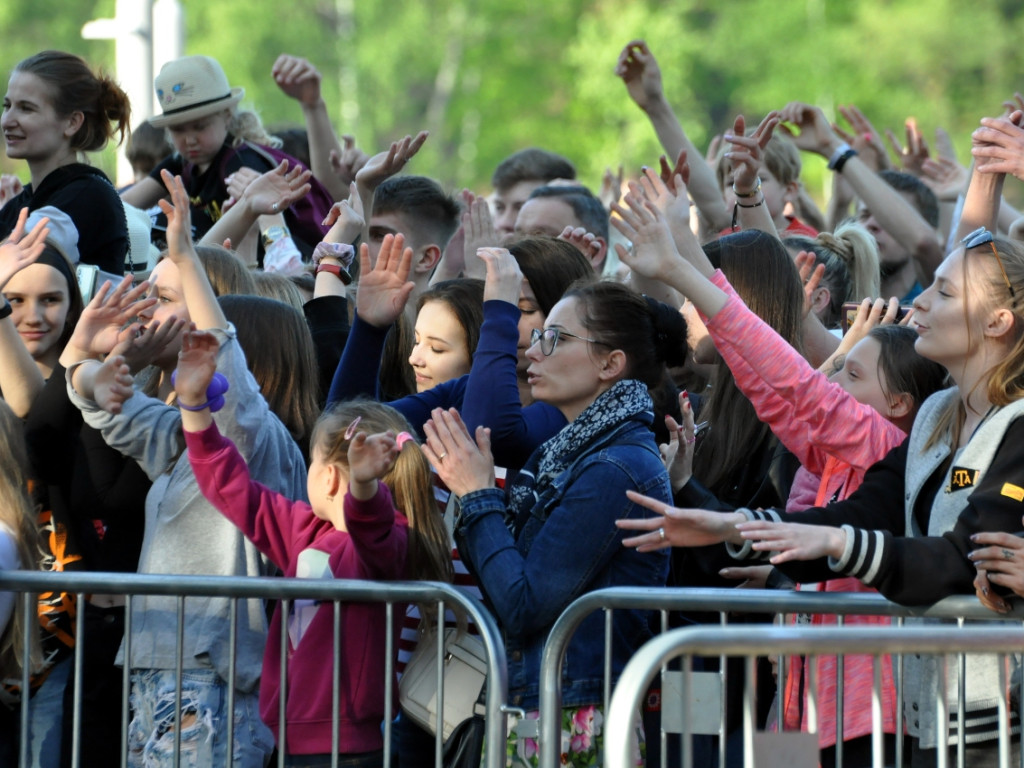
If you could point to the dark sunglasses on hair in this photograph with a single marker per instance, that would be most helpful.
(982, 236)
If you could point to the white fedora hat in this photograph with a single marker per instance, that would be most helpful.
(190, 88)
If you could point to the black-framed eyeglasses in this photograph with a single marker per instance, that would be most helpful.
(549, 337)
(982, 236)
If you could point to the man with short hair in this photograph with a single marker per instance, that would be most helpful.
(517, 176)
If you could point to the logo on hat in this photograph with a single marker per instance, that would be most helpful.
(190, 88)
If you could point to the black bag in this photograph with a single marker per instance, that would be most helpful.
(464, 748)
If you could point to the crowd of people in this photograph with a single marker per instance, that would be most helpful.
(275, 354)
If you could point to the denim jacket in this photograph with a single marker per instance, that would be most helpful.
(569, 546)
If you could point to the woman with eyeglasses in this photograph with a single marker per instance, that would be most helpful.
(910, 530)
(553, 537)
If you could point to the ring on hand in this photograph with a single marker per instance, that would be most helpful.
(691, 440)
(661, 534)
(1008, 554)
(441, 457)
(275, 207)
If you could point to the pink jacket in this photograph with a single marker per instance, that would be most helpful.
(836, 438)
(373, 548)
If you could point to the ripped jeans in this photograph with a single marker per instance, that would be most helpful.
(203, 732)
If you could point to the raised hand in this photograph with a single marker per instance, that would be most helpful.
(945, 177)
(914, 153)
(385, 289)
(388, 163)
(863, 137)
(98, 330)
(238, 182)
(179, 219)
(677, 527)
(673, 175)
(20, 250)
(747, 152)
(297, 78)
(998, 145)
(345, 219)
(197, 362)
(349, 161)
(112, 384)
(504, 280)
(611, 187)
(654, 253)
(793, 541)
(478, 226)
(677, 453)
(464, 464)
(370, 457)
(141, 346)
(276, 190)
(811, 276)
(10, 187)
(640, 72)
(814, 134)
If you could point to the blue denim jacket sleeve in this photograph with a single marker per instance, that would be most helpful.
(557, 559)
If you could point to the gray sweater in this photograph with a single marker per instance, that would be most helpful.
(185, 534)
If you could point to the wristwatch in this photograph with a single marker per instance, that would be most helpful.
(335, 269)
(6, 309)
(273, 234)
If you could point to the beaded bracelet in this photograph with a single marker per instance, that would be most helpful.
(214, 393)
(751, 193)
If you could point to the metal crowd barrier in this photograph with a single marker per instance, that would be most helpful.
(723, 602)
(30, 584)
(751, 642)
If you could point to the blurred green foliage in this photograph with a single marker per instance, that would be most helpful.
(488, 77)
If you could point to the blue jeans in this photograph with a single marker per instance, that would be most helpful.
(203, 722)
(45, 717)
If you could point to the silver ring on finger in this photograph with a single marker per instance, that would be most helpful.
(275, 207)
(441, 457)
(661, 534)
(1007, 554)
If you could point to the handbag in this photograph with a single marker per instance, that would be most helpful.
(464, 671)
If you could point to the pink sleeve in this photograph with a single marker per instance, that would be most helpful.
(812, 417)
(379, 536)
(279, 527)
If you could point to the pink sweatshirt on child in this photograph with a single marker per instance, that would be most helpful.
(836, 438)
(286, 531)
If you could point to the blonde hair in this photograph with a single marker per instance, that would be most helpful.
(274, 285)
(245, 125)
(17, 513)
(852, 243)
(1004, 381)
(409, 479)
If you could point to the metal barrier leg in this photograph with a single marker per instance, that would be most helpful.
(126, 680)
(232, 671)
(76, 716)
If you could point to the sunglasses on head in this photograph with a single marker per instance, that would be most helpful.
(982, 236)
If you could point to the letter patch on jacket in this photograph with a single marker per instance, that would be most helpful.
(962, 477)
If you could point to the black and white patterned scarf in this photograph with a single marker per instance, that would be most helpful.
(624, 401)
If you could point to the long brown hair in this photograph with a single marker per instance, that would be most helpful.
(766, 278)
(18, 514)
(409, 479)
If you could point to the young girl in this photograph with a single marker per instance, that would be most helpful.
(212, 140)
(350, 529)
(448, 320)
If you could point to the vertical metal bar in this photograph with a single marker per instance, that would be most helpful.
(749, 704)
(780, 665)
(389, 678)
(961, 706)
(282, 702)
(76, 712)
(608, 614)
(897, 673)
(877, 737)
(232, 673)
(811, 666)
(687, 735)
(336, 684)
(942, 715)
(840, 702)
(30, 624)
(1004, 715)
(662, 735)
(179, 650)
(126, 680)
(439, 721)
(723, 679)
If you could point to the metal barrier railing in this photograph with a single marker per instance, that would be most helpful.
(752, 641)
(723, 602)
(30, 584)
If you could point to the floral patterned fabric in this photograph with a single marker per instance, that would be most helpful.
(582, 740)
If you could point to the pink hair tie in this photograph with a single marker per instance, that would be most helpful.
(351, 431)
(402, 438)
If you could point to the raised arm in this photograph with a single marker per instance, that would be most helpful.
(746, 154)
(893, 213)
(21, 381)
(640, 72)
(382, 166)
(300, 80)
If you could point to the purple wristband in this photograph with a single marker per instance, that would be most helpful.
(214, 393)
